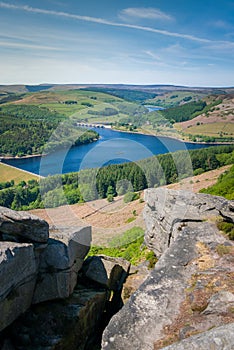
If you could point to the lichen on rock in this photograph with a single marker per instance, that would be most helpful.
(176, 300)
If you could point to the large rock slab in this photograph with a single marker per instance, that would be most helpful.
(220, 338)
(60, 262)
(167, 211)
(107, 271)
(191, 275)
(44, 269)
(22, 227)
(18, 278)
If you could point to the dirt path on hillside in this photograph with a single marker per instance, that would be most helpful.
(196, 183)
(107, 219)
(110, 219)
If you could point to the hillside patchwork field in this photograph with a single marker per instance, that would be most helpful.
(218, 122)
(176, 98)
(124, 108)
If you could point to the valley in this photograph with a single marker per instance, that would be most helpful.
(207, 113)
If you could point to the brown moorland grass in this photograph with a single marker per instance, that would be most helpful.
(219, 118)
(111, 219)
(8, 173)
(212, 129)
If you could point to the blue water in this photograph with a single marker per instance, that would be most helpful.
(113, 147)
(154, 108)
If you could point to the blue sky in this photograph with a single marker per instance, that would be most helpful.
(179, 42)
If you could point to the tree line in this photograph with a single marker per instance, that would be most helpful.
(188, 110)
(113, 180)
(184, 112)
(126, 94)
(26, 129)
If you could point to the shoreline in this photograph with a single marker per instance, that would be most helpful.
(2, 158)
(23, 157)
(175, 138)
(37, 155)
(25, 171)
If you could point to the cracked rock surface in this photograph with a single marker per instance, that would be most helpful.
(182, 295)
(168, 211)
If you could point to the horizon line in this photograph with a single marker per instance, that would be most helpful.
(124, 84)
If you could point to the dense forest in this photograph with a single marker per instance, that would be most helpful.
(184, 112)
(111, 180)
(30, 112)
(25, 129)
(188, 110)
(128, 95)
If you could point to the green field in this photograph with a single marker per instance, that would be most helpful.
(212, 129)
(175, 98)
(56, 101)
(8, 173)
(90, 107)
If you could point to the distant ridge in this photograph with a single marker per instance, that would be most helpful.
(20, 88)
(35, 88)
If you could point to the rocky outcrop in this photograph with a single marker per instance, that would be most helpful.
(49, 298)
(186, 301)
(106, 271)
(168, 211)
(68, 324)
(215, 339)
(194, 274)
(18, 278)
(74, 323)
(34, 267)
(60, 262)
(22, 227)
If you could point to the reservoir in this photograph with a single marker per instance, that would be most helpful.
(113, 147)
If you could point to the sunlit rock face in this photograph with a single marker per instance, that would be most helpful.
(193, 276)
(36, 266)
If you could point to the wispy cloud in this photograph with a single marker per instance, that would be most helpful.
(102, 21)
(144, 13)
(150, 59)
(222, 24)
(196, 56)
(221, 45)
(153, 55)
(218, 43)
(7, 44)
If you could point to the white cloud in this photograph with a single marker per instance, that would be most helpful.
(153, 55)
(5, 44)
(144, 12)
(102, 21)
(222, 24)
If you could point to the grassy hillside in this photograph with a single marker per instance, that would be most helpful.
(224, 186)
(8, 173)
(214, 123)
(130, 246)
(82, 106)
(190, 114)
(176, 98)
(67, 102)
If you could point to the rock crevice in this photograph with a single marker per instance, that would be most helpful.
(194, 273)
(49, 298)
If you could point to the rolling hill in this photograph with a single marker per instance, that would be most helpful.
(216, 123)
(212, 121)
